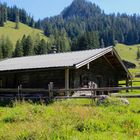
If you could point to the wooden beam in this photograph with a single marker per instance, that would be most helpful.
(67, 80)
(109, 62)
(94, 57)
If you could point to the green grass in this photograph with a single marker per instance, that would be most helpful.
(128, 53)
(135, 81)
(9, 31)
(71, 120)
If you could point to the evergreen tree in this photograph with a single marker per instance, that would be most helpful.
(17, 21)
(18, 50)
(1, 15)
(61, 41)
(7, 47)
(102, 43)
(38, 24)
(138, 52)
(23, 17)
(36, 41)
(1, 53)
(23, 44)
(88, 41)
(42, 47)
(5, 12)
(32, 23)
(28, 47)
(48, 30)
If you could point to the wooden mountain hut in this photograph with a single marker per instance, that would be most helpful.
(66, 70)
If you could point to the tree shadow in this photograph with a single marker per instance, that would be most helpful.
(11, 102)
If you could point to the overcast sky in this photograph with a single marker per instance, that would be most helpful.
(46, 8)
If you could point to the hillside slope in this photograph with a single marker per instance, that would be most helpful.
(83, 16)
(128, 53)
(9, 31)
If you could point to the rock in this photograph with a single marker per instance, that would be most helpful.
(102, 99)
(125, 101)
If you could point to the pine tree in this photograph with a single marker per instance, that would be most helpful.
(1, 15)
(17, 21)
(23, 41)
(1, 53)
(5, 12)
(32, 23)
(7, 48)
(28, 48)
(138, 52)
(42, 47)
(62, 42)
(38, 24)
(89, 40)
(48, 30)
(102, 43)
(18, 50)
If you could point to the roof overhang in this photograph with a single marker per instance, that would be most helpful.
(82, 63)
(110, 49)
(121, 62)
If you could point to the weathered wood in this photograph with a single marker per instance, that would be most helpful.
(44, 93)
(32, 90)
(50, 88)
(67, 80)
(99, 89)
(75, 97)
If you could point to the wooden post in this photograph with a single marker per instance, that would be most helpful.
(127, 84)
(18, 93)
(50, 88)
(67, 80)
(131, 84)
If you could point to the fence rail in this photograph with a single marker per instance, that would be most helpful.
(49, 93)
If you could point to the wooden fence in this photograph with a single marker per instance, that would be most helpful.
(50, 93)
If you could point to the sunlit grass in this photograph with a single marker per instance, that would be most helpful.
(128, 53)
(70, 119)
(9, 31)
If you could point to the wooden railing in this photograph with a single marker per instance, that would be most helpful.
(50, 92)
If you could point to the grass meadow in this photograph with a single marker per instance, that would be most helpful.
(74, 119)
(128, 53)
(9, 31)
(135, 81)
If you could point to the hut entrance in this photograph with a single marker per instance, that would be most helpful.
(99, 80)
(84, 80)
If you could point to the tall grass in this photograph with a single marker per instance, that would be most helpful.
(70, 120)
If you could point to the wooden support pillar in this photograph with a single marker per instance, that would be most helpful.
(127, 83)
(50, 88)
(67, 80)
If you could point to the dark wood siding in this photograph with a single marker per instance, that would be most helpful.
(35, 79)
(100, 72)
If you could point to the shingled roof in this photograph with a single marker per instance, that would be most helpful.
(75, 59)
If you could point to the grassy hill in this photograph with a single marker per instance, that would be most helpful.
(9, 31)
(128, 53)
